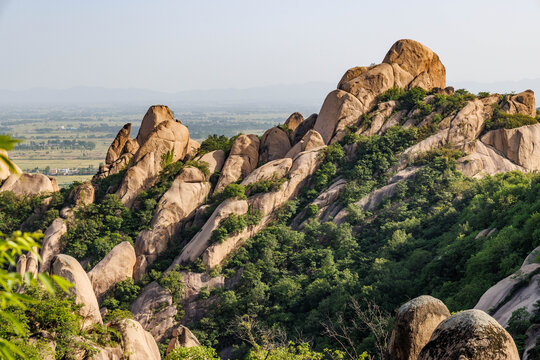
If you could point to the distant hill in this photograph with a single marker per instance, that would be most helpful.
(303, 94)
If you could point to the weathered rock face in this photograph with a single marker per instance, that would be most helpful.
(518, 145)
(311, 140)
(379, 118)
(484, 160)
(518, 290)
(117, 146)
(522, 103)
(415, 322)
(187, 192)
(242, 160)
(82, 194)
(137, 342)
(155, 311)
(182, 337)
(420, 62)
(168, 136)
(303, 128)
(29, 184)
(470, 334)
(116, 266)
(70, 269)
(294, 121)
(274, 169)
(154, 116)
(352, 73)
(201, 240)
(274, 144)
(370, 84)
(339, 110)
(51, 245)
(469, 123)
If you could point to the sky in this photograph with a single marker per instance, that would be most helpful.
(207, 44)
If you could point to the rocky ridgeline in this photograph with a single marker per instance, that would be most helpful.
(290, 154)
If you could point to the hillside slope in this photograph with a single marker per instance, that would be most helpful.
(323, 227)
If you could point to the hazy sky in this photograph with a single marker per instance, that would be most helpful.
(202, 44)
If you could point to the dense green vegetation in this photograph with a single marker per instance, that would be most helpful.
(503, 120)
(421, 241)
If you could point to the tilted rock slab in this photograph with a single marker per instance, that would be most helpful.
(242, 160)
(70, 269)
(116, 266)
(187, 192)
(415, 322)
(471, 335)
(303, 128)
(182, 337)
(272, 170)
(117, 146)
(311, 140)
(52, 244)
(522, 103)
(148, 160)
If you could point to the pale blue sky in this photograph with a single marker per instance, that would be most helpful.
(202, 44)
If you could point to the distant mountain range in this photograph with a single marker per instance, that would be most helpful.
(302, 94)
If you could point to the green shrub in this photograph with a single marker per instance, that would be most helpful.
(122, 295)
(312, 210)
(215, 142)
(193, 353)
(264, 186)
(502, 120)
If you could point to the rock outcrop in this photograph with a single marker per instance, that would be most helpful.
(182, 337)
(116, 266)
(303, 128)
(242, 160)
(522, 103)
(339, 110)
(276, 169)
(117, 146)
(470, 334)
(294, 120)
(415, 322)
(83, 194)
(274, 144)
(188, 191)
(138, 343)
(5, 172)
(29, 184)
(311, 140)
(516, 291)
(70, 269)
(52, 245)
(168, 137)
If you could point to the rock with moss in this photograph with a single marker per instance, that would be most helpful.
(471, 335)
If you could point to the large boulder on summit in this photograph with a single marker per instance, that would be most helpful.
(472, 335)
(418, 61)
(29, 184)
(116, 266)
(243, 159)
(274, 144)
(70, 269)
(168, 136)
(339, 110)
(518, 145)
(117, 146)
(522, 103)
(155, 115)
(52, 244)
(138, 343)
(415, 322)
(294, 120)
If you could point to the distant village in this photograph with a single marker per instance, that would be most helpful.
(91, 170)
